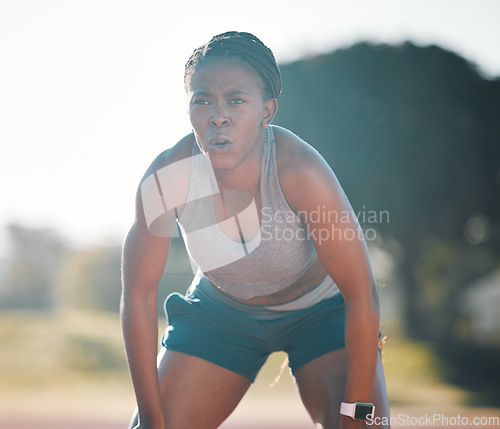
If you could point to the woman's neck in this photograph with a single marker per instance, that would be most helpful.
(244, 176)
(244, 179)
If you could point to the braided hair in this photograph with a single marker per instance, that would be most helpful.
(244, 46)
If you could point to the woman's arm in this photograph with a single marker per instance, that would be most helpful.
(143, 262)
(144, 257)
(340, 244)
(313, 190)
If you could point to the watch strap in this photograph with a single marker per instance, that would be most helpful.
(357, 410)
(347, 409)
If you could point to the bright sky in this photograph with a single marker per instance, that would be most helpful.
(91, 90)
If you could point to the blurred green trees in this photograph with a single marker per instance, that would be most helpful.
(43, 273)
(91, 278)
(30, 274)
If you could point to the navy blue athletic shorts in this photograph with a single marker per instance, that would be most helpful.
(210, 325)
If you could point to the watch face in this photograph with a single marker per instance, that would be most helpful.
(363, 411)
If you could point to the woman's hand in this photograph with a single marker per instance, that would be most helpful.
(349, 423)
(141, 426)
(157, 423)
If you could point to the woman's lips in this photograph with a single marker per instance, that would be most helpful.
(219, 144)
(219, 147)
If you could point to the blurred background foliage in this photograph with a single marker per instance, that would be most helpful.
(415, 131)
(410, 131)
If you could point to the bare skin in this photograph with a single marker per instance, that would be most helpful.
(321, 384)
(226, 99)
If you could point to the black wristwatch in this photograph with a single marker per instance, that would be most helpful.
(358, 410)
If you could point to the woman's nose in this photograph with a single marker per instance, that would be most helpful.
(220, 117)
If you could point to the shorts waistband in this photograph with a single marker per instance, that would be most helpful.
(325, 289)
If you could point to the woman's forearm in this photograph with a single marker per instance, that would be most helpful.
(140, 333)
(361, 336)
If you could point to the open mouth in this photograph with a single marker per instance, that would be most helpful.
(219, 144)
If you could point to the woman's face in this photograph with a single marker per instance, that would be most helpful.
(227, 111)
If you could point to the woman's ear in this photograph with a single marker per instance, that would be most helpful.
(270, 109)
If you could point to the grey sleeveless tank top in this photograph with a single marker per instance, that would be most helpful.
(267, 258)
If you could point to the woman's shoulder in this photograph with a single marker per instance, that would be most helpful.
(181, 150)
(294, 156)
(171, 183)
(301, 168)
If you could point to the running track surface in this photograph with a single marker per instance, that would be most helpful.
(58, 424)
(46, 423)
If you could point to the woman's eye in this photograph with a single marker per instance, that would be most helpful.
(237, 101)
(201, 102)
